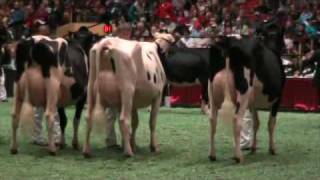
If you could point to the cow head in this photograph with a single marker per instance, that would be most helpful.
(272, 32)
(164, 41)
(85, 38)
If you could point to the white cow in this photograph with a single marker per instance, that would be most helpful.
(127, 75)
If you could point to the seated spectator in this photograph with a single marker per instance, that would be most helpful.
(136, 11)
(182, 19)
(42, 13)
(196, 29)
(123, 31)
(166, 10)
(56, 15)
(153, 30)
(141, 33)
(17, 14)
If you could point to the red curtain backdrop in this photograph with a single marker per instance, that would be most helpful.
(298, 94)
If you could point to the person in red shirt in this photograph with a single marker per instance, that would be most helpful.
(166, 10)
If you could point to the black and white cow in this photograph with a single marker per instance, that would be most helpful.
(253, 67)
(189, 66)
(77, 54)
(50, 73)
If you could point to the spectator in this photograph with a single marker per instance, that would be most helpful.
(42, 13)
(181, 18)
(124, 31)
(56, 15)
(153, 30)
(166, 10)
(136, 11)
(114, 11)
(141, 33)
(30, 16)
(196, 29)
(178, 4)
(17, 15)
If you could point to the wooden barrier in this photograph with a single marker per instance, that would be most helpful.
(73, 27)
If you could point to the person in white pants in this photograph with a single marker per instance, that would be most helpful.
(246, 135)
(3, 92)
(38, 139)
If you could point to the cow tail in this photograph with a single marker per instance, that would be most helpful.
(227, 111)
(91, 79)
(27, 115)
(99, 115)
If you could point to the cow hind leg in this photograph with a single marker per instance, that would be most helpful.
(111, 140)
(152, 124)
(63, 124)
(52, 85)
(271, 126)
(125, 116)
(15, 123)
(205, 98)
(237, 125)
(256, 125)
(76, 122)
(213, 118)
(52, 147)
(134, 126)
(213, 127)
(86, 147)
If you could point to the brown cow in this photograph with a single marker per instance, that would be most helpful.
(127, 75)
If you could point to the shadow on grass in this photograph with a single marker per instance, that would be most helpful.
(98, 154)
(176, 111)
(283, 157)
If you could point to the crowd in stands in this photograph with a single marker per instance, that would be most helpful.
(201, 18)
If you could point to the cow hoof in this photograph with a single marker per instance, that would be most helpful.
(86, 155)
(212, 158)
(52, 153)
(253, 151)
(238, 160)
(75, 146)
(272, 152)
(154, 149)
(128, 155)
(61, 146)
(206, 112)
(13, 151)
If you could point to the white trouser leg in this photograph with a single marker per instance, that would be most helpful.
(3, 92)
(57, 129)
(37, 136)
(247, 130)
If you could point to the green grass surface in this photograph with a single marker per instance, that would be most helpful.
(183, 137)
